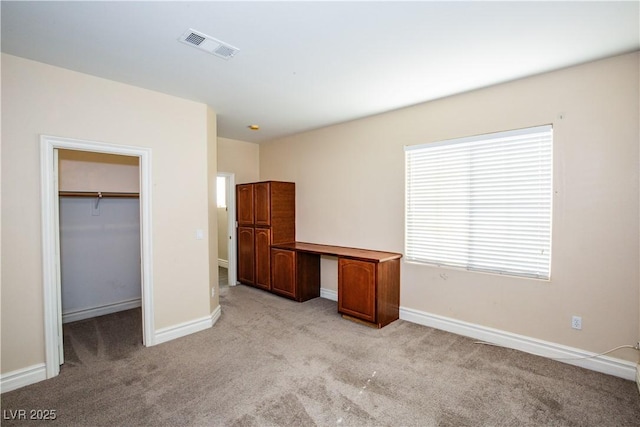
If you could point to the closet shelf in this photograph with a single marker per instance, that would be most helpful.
(97, 194)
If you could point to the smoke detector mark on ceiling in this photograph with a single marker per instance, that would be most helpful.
(208, 44)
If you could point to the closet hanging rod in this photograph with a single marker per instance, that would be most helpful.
(97, 194)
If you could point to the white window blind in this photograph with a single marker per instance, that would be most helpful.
(482, 203)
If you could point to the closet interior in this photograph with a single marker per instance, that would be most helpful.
(99, 214)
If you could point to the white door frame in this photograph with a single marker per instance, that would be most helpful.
(231, 225)
(51, 233)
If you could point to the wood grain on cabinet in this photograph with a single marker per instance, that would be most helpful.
(295, 275)
(246, 257)
(262, 203)
(357, 290)
(368, 280)
(283, 272)
(263, 257)
(307, 276)
(283, 212)
(388, 292)
(340, 251)
(268, 208)
(369, 291)
(244, 204)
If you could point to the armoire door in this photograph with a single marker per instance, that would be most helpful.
(263, 258)
(244, 204)
(262, 207)
(246, 258)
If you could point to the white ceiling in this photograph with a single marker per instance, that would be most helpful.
(304, 65)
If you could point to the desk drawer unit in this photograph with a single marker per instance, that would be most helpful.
(369, 291)
(295, 275)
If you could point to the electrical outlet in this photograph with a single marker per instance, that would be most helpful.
(576, 322)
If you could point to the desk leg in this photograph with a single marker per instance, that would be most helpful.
(307, 276)
(388, 298)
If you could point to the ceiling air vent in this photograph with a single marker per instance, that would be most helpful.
(208, 44)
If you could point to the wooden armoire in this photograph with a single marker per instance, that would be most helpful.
(266, 215)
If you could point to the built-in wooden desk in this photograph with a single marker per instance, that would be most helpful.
(368, 281)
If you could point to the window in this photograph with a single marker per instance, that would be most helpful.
(221, 191)
(482, 203)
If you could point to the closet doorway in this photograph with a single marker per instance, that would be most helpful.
(99, 217)
(226, 204)
(51, 238)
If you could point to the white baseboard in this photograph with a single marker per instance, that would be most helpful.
(217, 312)
(329, 294)
(638, 376)
(607, 365)
(23, 377)
(187, 328)
(88, 313)
(223, 263)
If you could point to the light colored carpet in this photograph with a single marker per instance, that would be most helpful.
(270, 361)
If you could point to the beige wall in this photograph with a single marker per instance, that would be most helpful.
(212, 205)
(223, 246)
(350, 191)
(41, 99)
(240, 158)
(84, 171)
